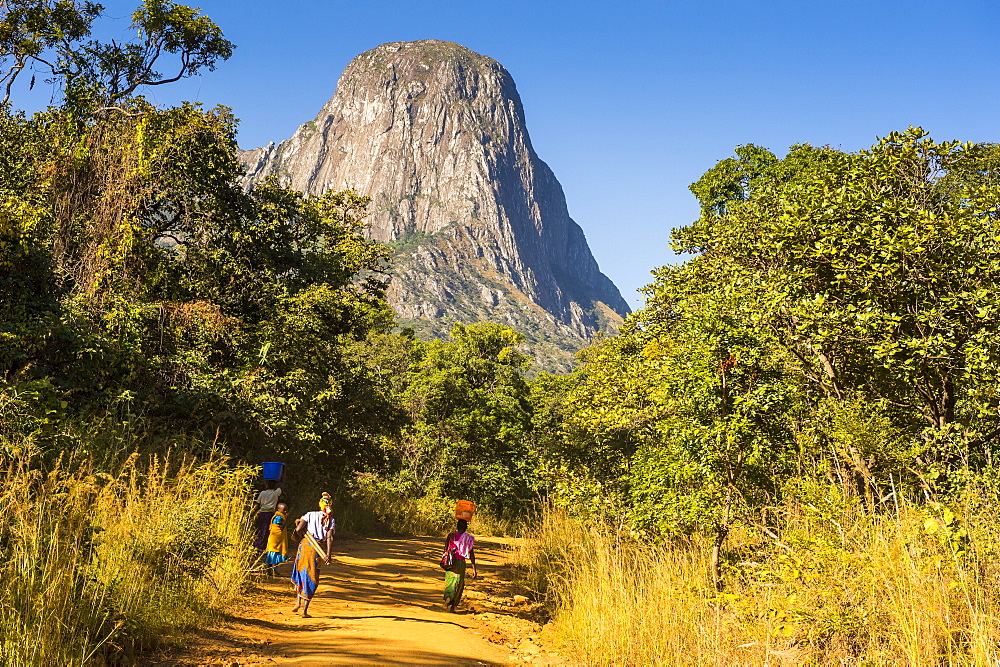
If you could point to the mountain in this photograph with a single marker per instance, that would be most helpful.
(435, 134)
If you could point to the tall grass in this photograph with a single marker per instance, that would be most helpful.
(907, 587)
(95, 567)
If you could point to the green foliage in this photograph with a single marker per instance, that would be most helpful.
(403, 505)
(585, 449)
(52, 35)
(837, 323)
(141, 274)
(143, 284)
(469, 406)
(719, 397)
(881, 265)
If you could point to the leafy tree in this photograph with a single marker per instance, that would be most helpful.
(469, 405)
(699, 385)
(587, 426)
(881, 265)
(722, 444)
(52, 35)
(30, 28)
(141, 277)
(839, 314)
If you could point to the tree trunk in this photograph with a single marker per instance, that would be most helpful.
(720, 536)
(721, 531)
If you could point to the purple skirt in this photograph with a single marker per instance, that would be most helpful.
(262, 524)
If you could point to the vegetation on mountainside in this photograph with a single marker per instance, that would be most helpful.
(476, 292)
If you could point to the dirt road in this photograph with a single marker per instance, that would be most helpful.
(379, 603)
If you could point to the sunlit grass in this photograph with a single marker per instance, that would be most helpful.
(96, 566)
(886, 589)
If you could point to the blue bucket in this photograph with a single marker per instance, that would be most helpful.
(272, 470)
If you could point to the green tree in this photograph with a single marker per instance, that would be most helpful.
(882, 267)
(140, 278)
(698, 383)
(52, 35)
(587, 426)
(471, 418)
(839, 315)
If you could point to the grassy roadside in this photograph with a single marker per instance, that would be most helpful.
(96, 566)
(918, 585)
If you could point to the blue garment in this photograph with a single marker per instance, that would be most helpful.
(305, 572)
(274, 558)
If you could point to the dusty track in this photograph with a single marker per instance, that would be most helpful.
(379, 603)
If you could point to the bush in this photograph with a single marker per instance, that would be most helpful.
(400, 505)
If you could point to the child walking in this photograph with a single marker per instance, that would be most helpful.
(277, 540)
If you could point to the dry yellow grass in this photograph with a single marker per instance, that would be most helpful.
(905, 588)
(96, 566)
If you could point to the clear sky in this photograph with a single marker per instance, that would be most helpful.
(630, 102)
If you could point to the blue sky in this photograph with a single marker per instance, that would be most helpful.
(631, 102)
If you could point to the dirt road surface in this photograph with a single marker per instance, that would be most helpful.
(380, 603)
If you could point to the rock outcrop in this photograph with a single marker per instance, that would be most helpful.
(435, 134)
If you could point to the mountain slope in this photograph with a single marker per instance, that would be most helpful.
(435, 134)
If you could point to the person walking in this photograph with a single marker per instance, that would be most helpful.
(277, 540)
(266, 502)
(315, 531)
(461, 544)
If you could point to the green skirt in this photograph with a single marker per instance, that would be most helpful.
(452, 578)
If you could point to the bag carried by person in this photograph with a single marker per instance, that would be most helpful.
(448, 559)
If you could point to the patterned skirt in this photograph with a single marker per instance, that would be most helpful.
(452, 578)
(305, 572)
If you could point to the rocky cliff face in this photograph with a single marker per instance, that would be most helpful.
(435, 134)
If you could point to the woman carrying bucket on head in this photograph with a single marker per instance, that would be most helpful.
(315, 531)
(458, 548)
(266, 502)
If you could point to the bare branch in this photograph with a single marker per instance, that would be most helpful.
(165, 235)
(13, 73)
(124, 112)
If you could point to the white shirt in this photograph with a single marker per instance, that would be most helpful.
(268, 499)
(319, 524)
